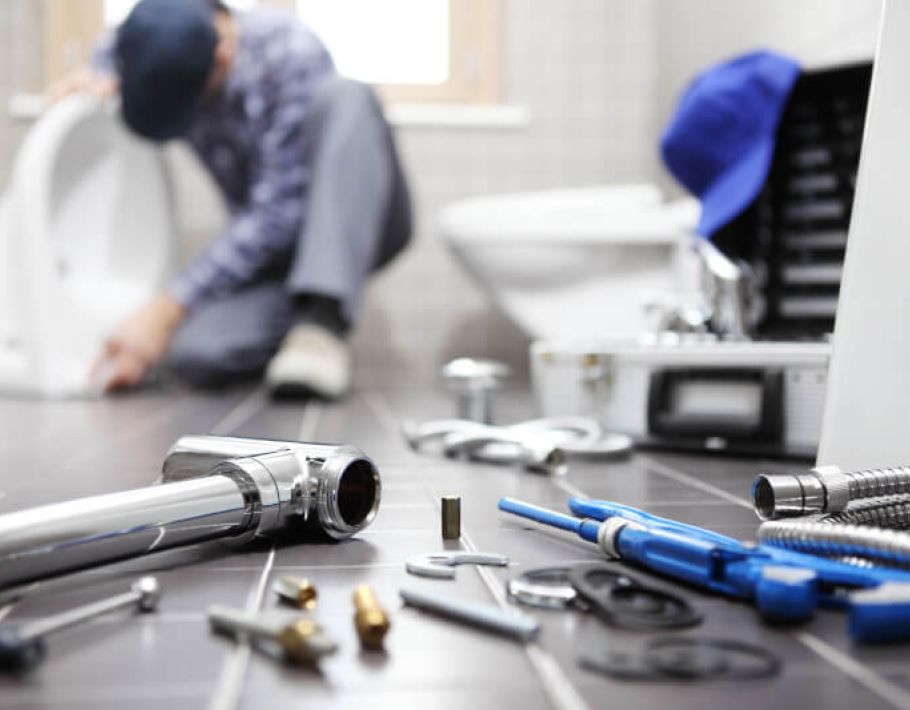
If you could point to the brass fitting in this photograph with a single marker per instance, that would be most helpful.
(370, 619)
(451, 517)
(304, 642)
(300, 592)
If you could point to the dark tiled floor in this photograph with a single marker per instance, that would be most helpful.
(56, 450)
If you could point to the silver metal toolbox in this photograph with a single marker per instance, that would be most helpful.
(691, 393)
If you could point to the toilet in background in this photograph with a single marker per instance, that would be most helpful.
(86, 235)
(582, 263)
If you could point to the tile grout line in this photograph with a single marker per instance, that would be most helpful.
(555, 682)
(680, 477)
(229, 688)
(240, 414)
(230, 684)
(863, 675)
(312, 413)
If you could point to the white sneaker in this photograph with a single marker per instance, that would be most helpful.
(311, 360)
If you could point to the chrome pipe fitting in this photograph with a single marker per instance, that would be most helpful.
(854, 515)
(821, 490)
(473, 382)
(212, 488)
(824, 490)
(334, 486)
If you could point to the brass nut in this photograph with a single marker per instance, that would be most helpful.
(451, 517)
(370, 619)
(304, 642)
(300, 592)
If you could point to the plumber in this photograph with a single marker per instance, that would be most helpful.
(308, 168)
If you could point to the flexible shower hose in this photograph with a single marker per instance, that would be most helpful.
(865, 512)
(869, 531)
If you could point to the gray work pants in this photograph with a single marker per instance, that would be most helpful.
(358, 218)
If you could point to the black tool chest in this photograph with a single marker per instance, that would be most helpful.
(794, 234)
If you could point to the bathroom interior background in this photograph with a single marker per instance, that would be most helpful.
(598, 80)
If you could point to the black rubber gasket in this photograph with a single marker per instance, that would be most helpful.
(619, 599)
(726, 659)
(755, 661)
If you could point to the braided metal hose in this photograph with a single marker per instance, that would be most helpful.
(866, 531)
(886, 546)
(824, 490)
(889, 512)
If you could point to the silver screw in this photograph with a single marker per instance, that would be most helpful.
(22, 647)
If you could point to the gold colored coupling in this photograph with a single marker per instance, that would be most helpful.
(300, 592)
(451, 517)
(304, 642)
(370, 619)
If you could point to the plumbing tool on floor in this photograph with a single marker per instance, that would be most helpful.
(854, 514)
(370, 620)
(492, 618)
(826, 489)
(544, 588)
(784, 585)
(619, 599)
(22, 647)
(473, 381)
(296, 592)
(541, 445)
(301, 639)
(273, 487)
(616, 597)
(450, 517)
(684, 658)
(441, 565)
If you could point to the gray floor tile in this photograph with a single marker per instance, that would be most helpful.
(58, 450)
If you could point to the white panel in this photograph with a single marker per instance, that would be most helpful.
(867, 414)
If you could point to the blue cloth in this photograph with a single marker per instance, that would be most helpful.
(720, 142)
(251, 138)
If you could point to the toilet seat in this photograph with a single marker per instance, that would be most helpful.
(86, 235)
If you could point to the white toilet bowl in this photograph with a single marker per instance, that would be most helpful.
(86, 234)
(577, 263)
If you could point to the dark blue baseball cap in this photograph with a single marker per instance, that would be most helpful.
(720, 141)
(165, 52)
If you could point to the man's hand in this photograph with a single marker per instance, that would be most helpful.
(139, 343)
(83, 80)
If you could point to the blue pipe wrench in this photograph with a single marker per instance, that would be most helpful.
(784, 585)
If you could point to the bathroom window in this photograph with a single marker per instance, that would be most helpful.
(415, 50)
(412, 50)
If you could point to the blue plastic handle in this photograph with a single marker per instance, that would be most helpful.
(880, 615)
(585, 529)
(603, 509)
